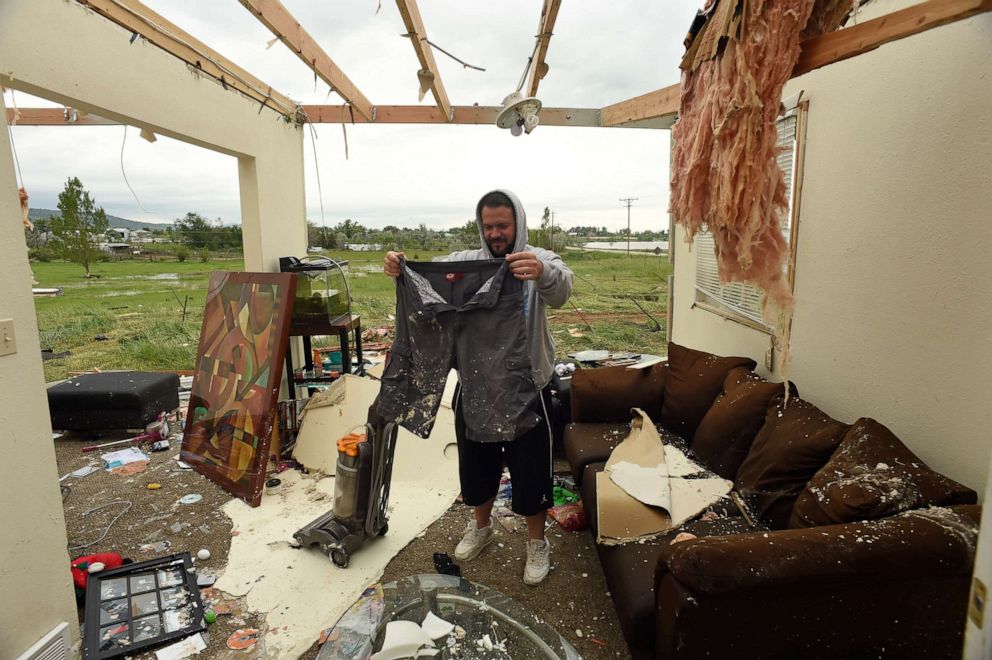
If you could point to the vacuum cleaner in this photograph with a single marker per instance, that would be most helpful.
(362, 478)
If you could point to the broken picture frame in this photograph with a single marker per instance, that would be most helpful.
(137, 606)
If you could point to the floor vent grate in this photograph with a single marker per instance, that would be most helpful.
(53, 646)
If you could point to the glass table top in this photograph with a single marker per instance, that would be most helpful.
(488, 624)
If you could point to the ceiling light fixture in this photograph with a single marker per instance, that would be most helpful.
(519, 113)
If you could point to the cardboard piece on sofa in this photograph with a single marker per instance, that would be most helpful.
(642, 446)
(621, 518)
(638, 472)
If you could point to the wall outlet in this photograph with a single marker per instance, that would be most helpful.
(976, 606)
(8, 344)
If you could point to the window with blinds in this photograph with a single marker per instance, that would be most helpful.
(738, 299)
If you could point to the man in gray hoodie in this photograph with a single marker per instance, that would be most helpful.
(547, 281)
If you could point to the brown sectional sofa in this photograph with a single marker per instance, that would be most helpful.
(843, 544)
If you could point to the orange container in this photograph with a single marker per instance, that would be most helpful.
(349, 444)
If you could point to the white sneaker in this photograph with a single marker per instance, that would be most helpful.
(538, 561)
(474, 540)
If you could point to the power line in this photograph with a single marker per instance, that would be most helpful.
(628, 201)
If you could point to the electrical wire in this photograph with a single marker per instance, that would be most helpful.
(316, 165)
(13, 148)
(123, 142)
(106, 531)
(462, 62)
(530, 60)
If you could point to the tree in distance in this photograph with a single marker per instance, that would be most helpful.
(78, 228)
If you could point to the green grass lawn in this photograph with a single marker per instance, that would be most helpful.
(138, 306)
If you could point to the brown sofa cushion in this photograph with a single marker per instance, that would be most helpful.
(607, 394)
(725, 435)
(591, 442)
(694, 380)
(795, 442)
(873, 475)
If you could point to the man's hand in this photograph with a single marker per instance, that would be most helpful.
(391, 264)
(525, 265)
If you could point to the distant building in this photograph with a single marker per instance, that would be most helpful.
(115, 248)
(119, 233)
(363, 247)
(621, 246)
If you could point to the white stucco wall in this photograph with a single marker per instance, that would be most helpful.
(62, 51)
(978, 640)
(893, 317)
(34, 567)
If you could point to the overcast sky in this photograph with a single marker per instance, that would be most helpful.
(601, 53)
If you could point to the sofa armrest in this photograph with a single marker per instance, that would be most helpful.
(942, 543)
(607, 394)
(896, 587)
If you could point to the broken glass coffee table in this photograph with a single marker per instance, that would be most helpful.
(487, 624)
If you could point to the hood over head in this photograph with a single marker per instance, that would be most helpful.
(520, 241)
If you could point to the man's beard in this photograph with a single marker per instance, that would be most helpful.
(505, 250)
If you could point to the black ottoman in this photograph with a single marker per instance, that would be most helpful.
(113, 400)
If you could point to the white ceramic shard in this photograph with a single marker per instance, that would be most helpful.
(436, 627)
(403, 640)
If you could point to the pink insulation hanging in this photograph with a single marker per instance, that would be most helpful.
(725, 174)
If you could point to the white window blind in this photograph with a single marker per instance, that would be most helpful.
(737, 297)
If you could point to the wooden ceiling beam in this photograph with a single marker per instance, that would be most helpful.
(142, 21)
(428, 75)
(339, 114)
(864, 37)
(660, 104)
(461, 114)
(549, 14)
(280, 22)
(663, 104)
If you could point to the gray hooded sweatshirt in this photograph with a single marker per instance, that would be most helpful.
(552, 288)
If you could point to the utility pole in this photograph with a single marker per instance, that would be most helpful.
(551, 238)
(628, 201)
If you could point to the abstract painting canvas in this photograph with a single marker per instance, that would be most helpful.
(232, 406)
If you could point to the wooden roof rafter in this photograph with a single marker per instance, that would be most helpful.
(281, 23)
(141, 21)
(428, 76)
(539, 69)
